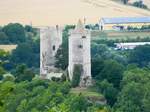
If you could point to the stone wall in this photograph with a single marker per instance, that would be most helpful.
(50, 40)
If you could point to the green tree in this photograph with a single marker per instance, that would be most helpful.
(100, 50)
(28, 53)
(22, 73)
(2, 72)
(22, 54)
(141, 55)
(130, 98)
(134, 96)
(136, 75)
(4, 38)
(79, 104)
(108, 91)
(15, 32)
(112, 71)
(76, 75)
(96, 66)
(62, 53)
(125, 1)
(28, 28)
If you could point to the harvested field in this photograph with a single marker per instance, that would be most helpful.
(52, 12)
(8, 48)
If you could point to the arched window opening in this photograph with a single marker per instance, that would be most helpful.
(54, 47)
(83, 36)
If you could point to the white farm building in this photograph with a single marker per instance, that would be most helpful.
(124, 46)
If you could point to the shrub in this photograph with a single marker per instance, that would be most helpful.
(76, 75)
(140, 5)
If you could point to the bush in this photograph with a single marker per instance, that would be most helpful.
(8, 77)
(2, 72)
(140, 5)
(108, 91)
(112, 72)
(4, 38)
(143, 27)
(140, 55)
(125, 1)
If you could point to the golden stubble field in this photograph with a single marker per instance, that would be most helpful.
(52, 12)
(147, 2)
(8, 48)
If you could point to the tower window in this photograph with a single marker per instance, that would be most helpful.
(80, 46)
(83, 36)
(54, 47)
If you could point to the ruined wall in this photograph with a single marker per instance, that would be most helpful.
(50, 40)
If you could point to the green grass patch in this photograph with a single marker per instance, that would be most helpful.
(86, 92)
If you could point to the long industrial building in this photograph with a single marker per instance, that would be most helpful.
(121, 23)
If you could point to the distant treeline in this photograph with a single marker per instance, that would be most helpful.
(15, 33)
(138, 4)
(144, 27)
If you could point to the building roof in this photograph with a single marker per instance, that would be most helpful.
(119, 20)
(133, 43)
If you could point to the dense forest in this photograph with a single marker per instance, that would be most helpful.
(122, 77)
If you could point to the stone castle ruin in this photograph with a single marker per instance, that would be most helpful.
(80, 53)
(50, 40)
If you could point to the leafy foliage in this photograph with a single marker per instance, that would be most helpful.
(15, 32)
(115, 73)
(125, 1)
(134, 93)
(3, 38)
(62, 53)
(40, 95)
(141, 55)
(140, 4)
(108, 90)
(27, 53)
(76, 75)
(22, 73)
(112, 71)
